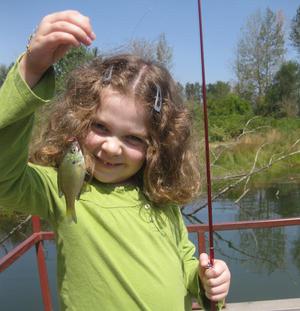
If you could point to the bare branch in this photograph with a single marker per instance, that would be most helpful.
(15, 229)
(244, 177)
(217, 157)
(252, 131)
(241, 196)
(253, 168)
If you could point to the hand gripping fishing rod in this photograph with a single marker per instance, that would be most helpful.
(208, 178)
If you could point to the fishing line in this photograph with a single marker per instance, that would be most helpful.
(139, 22)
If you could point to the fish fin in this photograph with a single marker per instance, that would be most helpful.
(86, 187)
(78, 195)
(83, 189)
(71, 215)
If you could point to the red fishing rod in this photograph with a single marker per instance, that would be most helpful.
(208, 175)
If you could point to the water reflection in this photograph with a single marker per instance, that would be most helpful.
(280, 200)
(276, 201)
(255, 256)
(296, 253)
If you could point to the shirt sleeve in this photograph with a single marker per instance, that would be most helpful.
(21, 186)
(18, 101)
(190, 264)
(191, 268)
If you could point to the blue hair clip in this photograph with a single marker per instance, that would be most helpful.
(107, 74)
(158, 99)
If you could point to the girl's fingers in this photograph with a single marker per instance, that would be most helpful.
(216, 293)
(62, 26)
(218, 268)
(55, 39)
(68, 28)
(212, 272)
(54, 36)
(215, 281)
(72, 17)
(206, 270)
(204, 260)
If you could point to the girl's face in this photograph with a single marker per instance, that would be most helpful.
(117, 138)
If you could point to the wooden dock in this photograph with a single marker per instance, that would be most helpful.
(265, 305)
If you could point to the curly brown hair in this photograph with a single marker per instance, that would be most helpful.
(171, 171)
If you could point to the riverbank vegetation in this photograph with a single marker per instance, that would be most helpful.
(239, 140)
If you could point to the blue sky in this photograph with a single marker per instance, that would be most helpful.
(116, 22)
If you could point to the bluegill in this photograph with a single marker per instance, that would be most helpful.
(70, 177)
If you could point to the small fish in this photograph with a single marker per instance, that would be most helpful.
(70, 177)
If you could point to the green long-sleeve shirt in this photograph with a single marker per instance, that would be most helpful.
(123, 254)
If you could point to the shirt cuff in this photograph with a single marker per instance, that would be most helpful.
(43, 91)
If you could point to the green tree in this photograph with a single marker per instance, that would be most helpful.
(193, 91)
(260, 52)
(164, 52)
(218, 90)
(221, 101)
(295, 31)
(228, 105)
(283, 97)
(189, 90)
(158, 51)
(3, 72)
(180, 89)
(142, 48)
(197, 91)
(74, 58)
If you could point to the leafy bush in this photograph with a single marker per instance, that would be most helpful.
(228, 105)
(226, 127)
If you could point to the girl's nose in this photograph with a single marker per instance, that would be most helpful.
(112, 146)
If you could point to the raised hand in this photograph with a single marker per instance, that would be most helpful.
(216, 279)
(55, 35)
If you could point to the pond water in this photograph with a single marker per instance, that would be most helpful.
(265, 263)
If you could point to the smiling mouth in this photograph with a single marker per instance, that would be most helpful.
(109, 164)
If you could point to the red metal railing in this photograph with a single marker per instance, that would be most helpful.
(36, 239)
(252, 224)
(38, 236)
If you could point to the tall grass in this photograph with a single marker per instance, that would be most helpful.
(260, 149)
(236, 139)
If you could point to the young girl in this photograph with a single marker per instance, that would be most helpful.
(129, 249)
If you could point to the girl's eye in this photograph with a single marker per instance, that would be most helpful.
(99, 127)
(134, 140)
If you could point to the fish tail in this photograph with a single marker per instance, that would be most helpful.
(71, 214)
